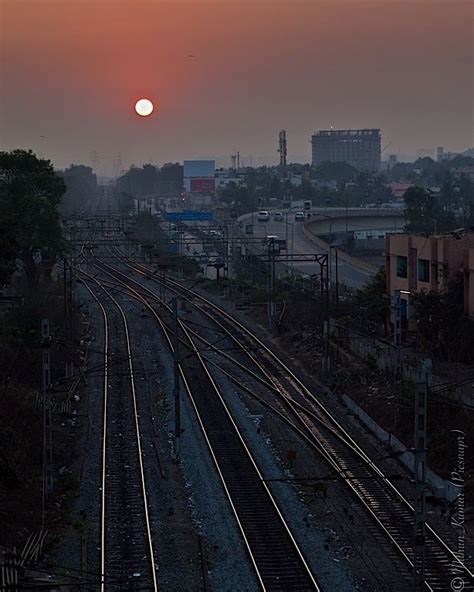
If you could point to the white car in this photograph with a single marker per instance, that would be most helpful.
(271, 238)
(299, 217)
(263, 216)
(277, 217)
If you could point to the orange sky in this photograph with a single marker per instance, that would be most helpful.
(71, 70)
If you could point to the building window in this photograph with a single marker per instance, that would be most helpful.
(402, 266)
(423, 270)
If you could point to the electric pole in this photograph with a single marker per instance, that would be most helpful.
(325, 288)
(177, 409)
(271, 282)
(47, 417)
(421, 408)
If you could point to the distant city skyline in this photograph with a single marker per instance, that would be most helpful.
(107, 168)
(71, 72)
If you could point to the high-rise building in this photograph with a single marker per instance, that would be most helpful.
(359, 148)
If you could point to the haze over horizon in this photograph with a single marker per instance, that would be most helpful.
(229, 75)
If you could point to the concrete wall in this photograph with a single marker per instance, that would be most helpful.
(320, 244)
(442, 488)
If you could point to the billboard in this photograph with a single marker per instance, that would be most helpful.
(189, 216)
(199, 176)
(202, 185)
(199, 168)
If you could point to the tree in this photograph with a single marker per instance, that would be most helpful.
(421, 209)
(30, 193)
(125, 202)
(371, 299)
(81, 188)
(341, 172)
(444, 330)
(424, 212)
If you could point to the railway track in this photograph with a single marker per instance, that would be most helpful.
(278, 562)
(390, 510)
(127, 555)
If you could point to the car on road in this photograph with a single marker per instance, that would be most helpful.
(271, 238)
(299, 217)
(215, 259)
(271, 243)
(263, 216)
(278, 217)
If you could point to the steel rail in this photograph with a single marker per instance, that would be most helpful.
(105, 425)
(104, 435)
(255, 562)
(182, 288)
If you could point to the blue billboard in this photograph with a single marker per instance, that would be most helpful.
(190, 216)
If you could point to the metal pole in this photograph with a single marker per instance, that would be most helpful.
(421, 404)
(271, 282)
(269, 288)
(337, 282)
(66, 332)
(398, 346)
(292, 247)
(47, 418)
(177, 410)
(398, 319)
(330, 265)
(327, 322)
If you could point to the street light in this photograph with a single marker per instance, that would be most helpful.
(286, 237)
(332, 246)
(397, 334)
(286, 241)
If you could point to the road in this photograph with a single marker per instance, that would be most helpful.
(298, 243)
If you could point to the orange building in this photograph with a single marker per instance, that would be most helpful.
(415, 263)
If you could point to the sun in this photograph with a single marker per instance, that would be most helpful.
(144, 107)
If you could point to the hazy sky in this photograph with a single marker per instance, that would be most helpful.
(71, 71)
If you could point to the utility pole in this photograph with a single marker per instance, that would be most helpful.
(68, 329)
(47, 418)
(65, 297)
(397, 334)
(326, 322)
(271, 282)
(163, 283)
(177, 409)
(421, 408)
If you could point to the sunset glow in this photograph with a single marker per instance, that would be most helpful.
(220, 77)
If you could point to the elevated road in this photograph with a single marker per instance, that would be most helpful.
(302, 237)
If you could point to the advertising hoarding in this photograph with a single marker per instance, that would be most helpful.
(202, 185)
(199, 176)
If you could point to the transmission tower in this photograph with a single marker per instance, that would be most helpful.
(282, 149)
(47, 417)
